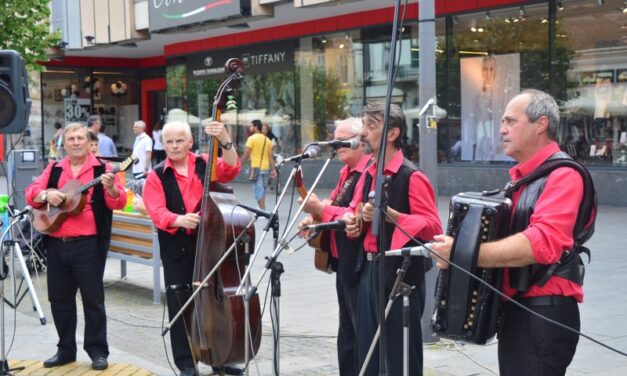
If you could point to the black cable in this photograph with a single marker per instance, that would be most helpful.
(499, 293)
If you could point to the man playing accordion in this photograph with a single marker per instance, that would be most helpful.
(544, 230)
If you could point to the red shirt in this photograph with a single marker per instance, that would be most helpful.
(330, 212)
(422, 221)
(84, 223)
(551, 225)
(191, 189)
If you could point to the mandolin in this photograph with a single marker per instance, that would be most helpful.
(50, 218)
(322, 242)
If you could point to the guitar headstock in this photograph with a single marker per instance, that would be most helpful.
(299, 183)
(125, 164)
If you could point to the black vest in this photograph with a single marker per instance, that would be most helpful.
(348, 267)
(102, 214)
(175, 245)
(570, 265)
(396, 190)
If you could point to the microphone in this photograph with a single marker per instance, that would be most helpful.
(336, 144)
(333, 225)
(181, 287)
(310, 153)
(422, 250)
(27, 210)
(258, 212)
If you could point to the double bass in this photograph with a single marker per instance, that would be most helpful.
(218, 318)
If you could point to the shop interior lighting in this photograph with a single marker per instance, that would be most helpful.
(455, 20)
(488, 16)
(544, 20)
(323, 39)
(560, 6)
(624, 9)
(522, 15)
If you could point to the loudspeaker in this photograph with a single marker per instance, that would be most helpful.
(15, 102)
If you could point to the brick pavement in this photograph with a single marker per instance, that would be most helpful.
(308, 315)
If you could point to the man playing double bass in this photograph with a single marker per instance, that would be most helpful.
(172, 192)
(344, 250)
(77, 250)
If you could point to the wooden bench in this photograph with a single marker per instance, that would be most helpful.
(134, 239)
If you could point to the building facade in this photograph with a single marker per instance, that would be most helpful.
(303, 71)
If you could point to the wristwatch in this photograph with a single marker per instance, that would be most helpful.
(44, 196)
(226, 146)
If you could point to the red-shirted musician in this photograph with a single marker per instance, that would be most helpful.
(77, 250)
(527, 344)
(173, 190)
(411, 204)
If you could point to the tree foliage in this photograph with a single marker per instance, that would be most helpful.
(25, 28)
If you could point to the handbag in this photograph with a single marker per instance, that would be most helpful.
(254, 171)
(254, 174)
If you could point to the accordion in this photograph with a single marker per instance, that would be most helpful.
(465, 308)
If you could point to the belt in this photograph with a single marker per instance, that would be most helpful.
(74, 238)
(547, 301)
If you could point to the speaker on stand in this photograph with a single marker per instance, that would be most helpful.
(15, 102)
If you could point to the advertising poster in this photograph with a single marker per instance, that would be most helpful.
(487, 84)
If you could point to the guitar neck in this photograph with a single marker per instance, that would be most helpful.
(83, 188)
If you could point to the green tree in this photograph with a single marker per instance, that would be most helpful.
(25, 28)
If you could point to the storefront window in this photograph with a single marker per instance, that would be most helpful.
(594, 108)
(490, 56)
(330, 83)
(71, 95)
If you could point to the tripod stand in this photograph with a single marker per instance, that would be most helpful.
(15, 247)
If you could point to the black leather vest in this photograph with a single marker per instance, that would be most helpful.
(570, 265)
(396, 190)
(175, 245)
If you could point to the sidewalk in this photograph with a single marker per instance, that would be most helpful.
(308, 313)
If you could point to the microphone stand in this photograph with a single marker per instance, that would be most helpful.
(378, 225)
(208, 276)
(404, 289)
(271, 263)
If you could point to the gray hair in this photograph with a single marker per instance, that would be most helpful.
(396, 118)
(356, 125)
(140, 123)
(178, 125)
(542, 104)
(73, 127)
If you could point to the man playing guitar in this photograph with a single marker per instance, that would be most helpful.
(344, 262)
(77, 250)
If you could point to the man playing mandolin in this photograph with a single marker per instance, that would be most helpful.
(77, 250)
(171, 194)
(344, 251)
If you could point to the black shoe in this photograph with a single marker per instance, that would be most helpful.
(190, 371)
(99, 363)
(228, 370)
(58, 360)
(233, 370)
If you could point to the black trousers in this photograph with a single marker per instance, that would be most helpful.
(367, 322)
(74, 266)
(179, 271)
(346, 347)
(529, 345)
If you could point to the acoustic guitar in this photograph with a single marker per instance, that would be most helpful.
(50, 218)
(322, 242)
